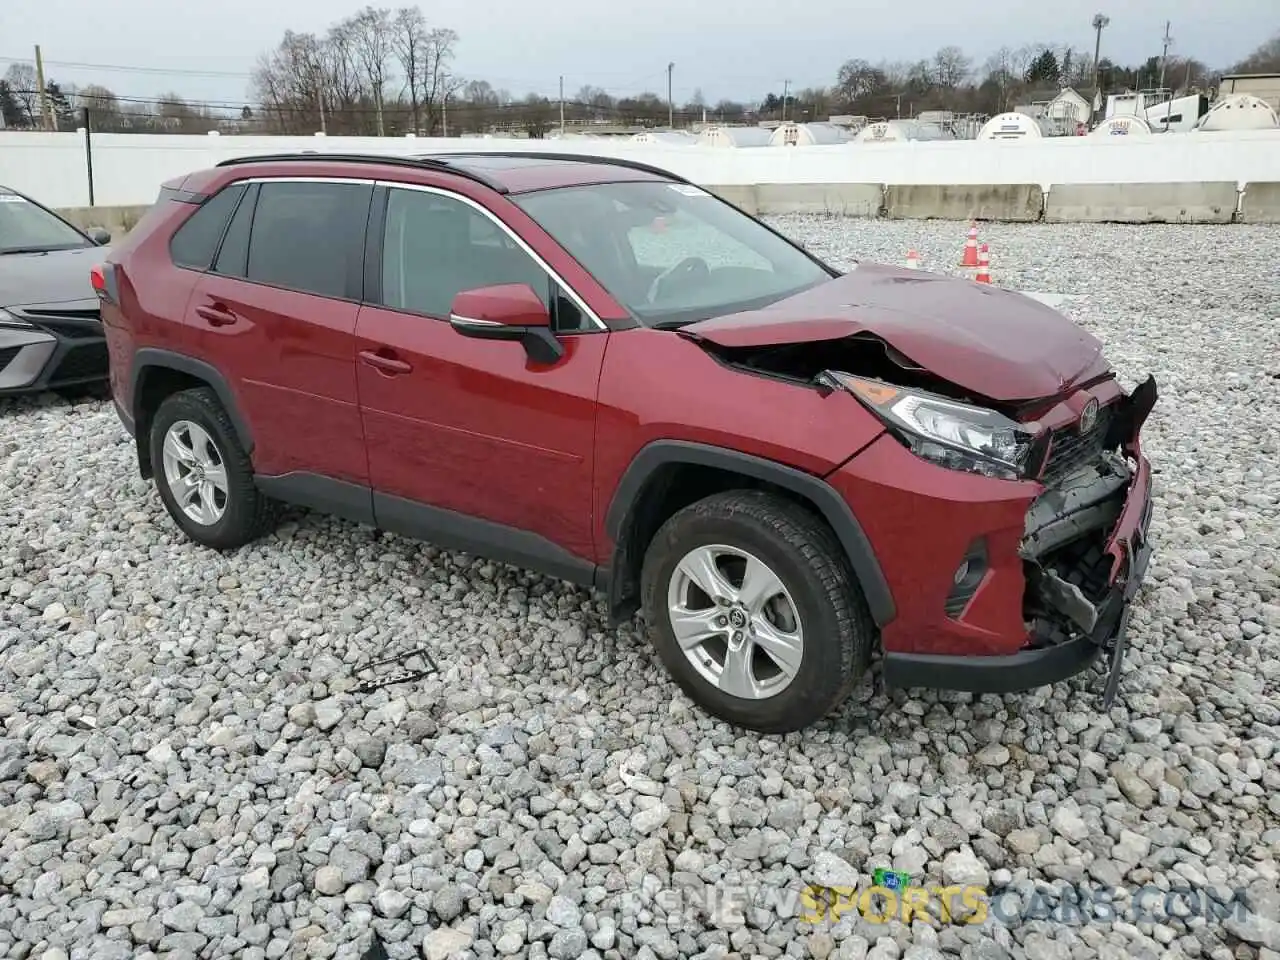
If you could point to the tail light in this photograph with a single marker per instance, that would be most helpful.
(103, 279)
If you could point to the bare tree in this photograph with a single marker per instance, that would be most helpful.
(951, 67)
(409, 43)
(23, 87)
(372, 38)
(102, 104)
(1001, 73)
(347, 92)
(1265, 59)
(482, 104)
(436, 81)
(292, 82)
(857, 79)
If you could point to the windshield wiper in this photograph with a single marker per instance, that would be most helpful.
(4, 250)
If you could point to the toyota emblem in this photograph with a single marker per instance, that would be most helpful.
(1089, 416)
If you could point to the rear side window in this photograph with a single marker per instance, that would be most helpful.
(196, 241)
(309, 236)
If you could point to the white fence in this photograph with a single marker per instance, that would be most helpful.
(128, 168)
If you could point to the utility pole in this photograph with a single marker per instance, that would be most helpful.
(320, 102)
(562, 105)
(46, 116)
(1100, 20)
(786, 86)
(1164, 53)
(671, 104)
(444, 109)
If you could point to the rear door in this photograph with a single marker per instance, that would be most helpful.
(277, 315)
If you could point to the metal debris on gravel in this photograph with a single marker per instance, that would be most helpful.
(187, 769)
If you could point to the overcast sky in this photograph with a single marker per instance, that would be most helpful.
(738, 49)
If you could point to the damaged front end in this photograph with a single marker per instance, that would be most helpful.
(1086, 545)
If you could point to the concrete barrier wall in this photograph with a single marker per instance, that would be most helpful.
(1261, 203)
(975, 201)
(844, 199)
(1167, 178)
(1142, 203)
(128, 168)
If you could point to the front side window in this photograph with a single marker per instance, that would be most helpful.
(672, 253)
(434, 247)
(26, 227)
(309, 236)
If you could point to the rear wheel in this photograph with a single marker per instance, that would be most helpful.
(203, 474)
(752, 610)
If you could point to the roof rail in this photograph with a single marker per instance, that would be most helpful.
(577, 157)
(415, 162)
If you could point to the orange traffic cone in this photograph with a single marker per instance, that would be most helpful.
(913, 260)
(970, 258)
(984, 266)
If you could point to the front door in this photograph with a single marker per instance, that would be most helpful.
(471, 443)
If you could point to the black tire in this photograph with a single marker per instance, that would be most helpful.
(805, 555)
(248, 514)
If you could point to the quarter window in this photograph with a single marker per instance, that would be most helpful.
(196, 241)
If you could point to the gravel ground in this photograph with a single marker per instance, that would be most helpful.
(185, 770)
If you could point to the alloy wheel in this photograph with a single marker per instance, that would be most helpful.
(195, 472)
(735, 621)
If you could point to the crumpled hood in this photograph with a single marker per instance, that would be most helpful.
(989, 341)
(57, 277)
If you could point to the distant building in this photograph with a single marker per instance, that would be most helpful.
(1264, 86)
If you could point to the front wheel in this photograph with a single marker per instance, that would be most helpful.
(753, 611)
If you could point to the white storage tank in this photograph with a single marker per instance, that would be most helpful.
(666, 138)
(1182, 114)
(1239, 111)
(806, 134)
(729, 136)
(1014, 126)
(898, 131)
(1122, 126)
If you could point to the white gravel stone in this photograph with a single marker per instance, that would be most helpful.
(234, 796)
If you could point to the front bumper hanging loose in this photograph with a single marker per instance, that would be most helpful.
(1110, 496)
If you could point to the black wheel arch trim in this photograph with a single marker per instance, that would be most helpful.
(821, 494)
(148, 358)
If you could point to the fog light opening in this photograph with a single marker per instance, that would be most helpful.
(967, 578)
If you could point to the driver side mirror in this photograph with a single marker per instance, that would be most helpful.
(508, 311)
(99, 235)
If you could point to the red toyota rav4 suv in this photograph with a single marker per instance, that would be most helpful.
(595, 369)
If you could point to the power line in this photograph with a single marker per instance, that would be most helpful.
(265, 112)
(118, 68)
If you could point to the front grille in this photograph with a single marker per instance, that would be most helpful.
(82, 362)
(7, 354)
(1072, 449)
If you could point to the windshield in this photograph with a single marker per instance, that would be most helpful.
(672, 253)
(26, 227)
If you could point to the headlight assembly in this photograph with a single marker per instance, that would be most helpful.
(953, 435)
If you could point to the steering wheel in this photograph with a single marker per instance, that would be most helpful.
(687, 269)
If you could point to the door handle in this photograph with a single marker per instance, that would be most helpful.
(385, 364)
(216, 315)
